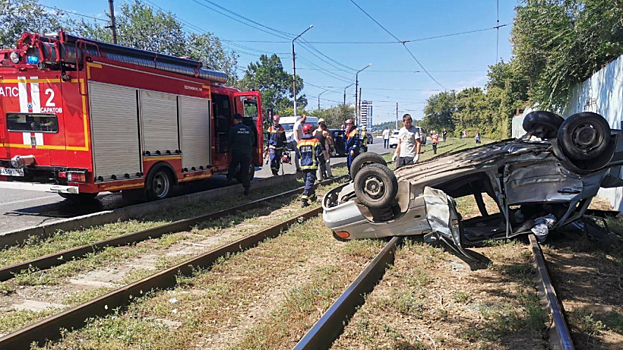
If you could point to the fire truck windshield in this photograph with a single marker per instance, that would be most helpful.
(21, 122)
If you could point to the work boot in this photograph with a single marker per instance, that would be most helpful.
(304, 204)
(275, 172)
(246, 191)
(313, 197)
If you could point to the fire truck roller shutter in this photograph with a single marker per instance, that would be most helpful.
(195, 133)
(159, 122)
(114, 130)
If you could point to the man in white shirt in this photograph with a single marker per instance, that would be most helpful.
(297, 134)
(386, 138)
(408, 149)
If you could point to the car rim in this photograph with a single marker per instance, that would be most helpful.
(161, 185)
(585, 137)
(374, 187)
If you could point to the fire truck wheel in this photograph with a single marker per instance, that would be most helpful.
(159, 184)
(80, 197)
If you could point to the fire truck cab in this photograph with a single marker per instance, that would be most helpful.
(79, 117)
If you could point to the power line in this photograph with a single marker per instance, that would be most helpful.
(73, 13)
(402, 42)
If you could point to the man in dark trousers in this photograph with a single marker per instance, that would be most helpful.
(309, 151)
(276, 143)
(241, 141)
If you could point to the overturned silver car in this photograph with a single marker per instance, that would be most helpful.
(541, 181)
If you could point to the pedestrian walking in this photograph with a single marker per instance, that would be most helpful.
(386, 138)
(297, 133)
(324, 136)
(409, 143)
(241, 140)
(477, 137)
(445, 134)
(309, 151)
(352, 143)
(276, 143)
(364, 139)
(435, 140)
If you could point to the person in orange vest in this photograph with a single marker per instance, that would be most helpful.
(276, 143)
(309, 151)
(352, 143)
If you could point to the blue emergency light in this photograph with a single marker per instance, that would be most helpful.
(32, 59)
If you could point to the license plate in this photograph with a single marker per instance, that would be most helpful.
(11, 172)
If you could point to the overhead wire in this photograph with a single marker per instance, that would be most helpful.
(401, 41)
(73, 13)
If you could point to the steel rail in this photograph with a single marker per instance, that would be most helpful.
(333, 321)
(77, 317)
(59, 258)
(562, 335)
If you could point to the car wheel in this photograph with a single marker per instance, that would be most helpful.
(159, 184)
(363, 159)
(376, 186)
(251, 173)
(543, 124)
(80, 197)
(584, 136)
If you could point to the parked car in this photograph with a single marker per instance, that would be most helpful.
(338, 142)
(288, 126)
(393, 139)
(539, 182)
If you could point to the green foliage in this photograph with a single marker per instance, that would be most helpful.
(268, 76)
(560, 43)
(19, 16)
(335, 116)
(439, 112)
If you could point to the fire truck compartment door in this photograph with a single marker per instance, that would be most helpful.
(159, 122)
(114, 130)
(195, 132)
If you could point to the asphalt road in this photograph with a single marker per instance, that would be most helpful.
(20, 209)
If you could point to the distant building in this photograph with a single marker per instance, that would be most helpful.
(365, 114)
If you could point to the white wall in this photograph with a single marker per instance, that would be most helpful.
(603, 94)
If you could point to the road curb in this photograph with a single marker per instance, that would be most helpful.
(16, 237)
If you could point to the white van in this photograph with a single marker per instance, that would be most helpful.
(288, 125)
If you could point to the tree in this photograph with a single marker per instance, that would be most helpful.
(439, 112)
(335, 116)
(141, 27)
(268, 76)
(560, 43)
(19, 16)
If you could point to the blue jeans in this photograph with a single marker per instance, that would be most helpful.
(385, 143)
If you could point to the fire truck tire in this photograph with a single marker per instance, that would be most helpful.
(159, 184)
(80, 197)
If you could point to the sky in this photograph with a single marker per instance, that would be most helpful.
(455, 62)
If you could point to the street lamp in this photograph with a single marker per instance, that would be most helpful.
(319, 98)
(294, 65)
(356, 87)
(345, 92)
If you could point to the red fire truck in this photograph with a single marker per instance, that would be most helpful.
(79, 117)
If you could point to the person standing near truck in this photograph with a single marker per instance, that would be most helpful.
(409, 144)
(323, 135)
(352, 143)
(241, 140)
(276, 143)
(310, 152)
(386, 138)
(297, 134)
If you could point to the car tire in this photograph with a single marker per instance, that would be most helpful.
(376, 186)
(363, 159)
(80, 197)
(251, 173)
(159, 184)
(584, 136)
(549, 121)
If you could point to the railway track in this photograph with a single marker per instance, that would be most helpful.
(332, 323)
(59, 258)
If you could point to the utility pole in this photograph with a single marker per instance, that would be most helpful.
(294, 65)
(357, 87)
(113, 25)
(359, 109)
(345, 92)
(319, 98)
(396, 115)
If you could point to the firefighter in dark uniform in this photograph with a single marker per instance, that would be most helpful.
(276, 143)
(309, 151)
(352, 142)
(241, 141)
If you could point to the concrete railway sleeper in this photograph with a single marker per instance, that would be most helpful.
(56, 259)
(76, 317)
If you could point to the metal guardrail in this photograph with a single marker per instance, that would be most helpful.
(333, 321)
